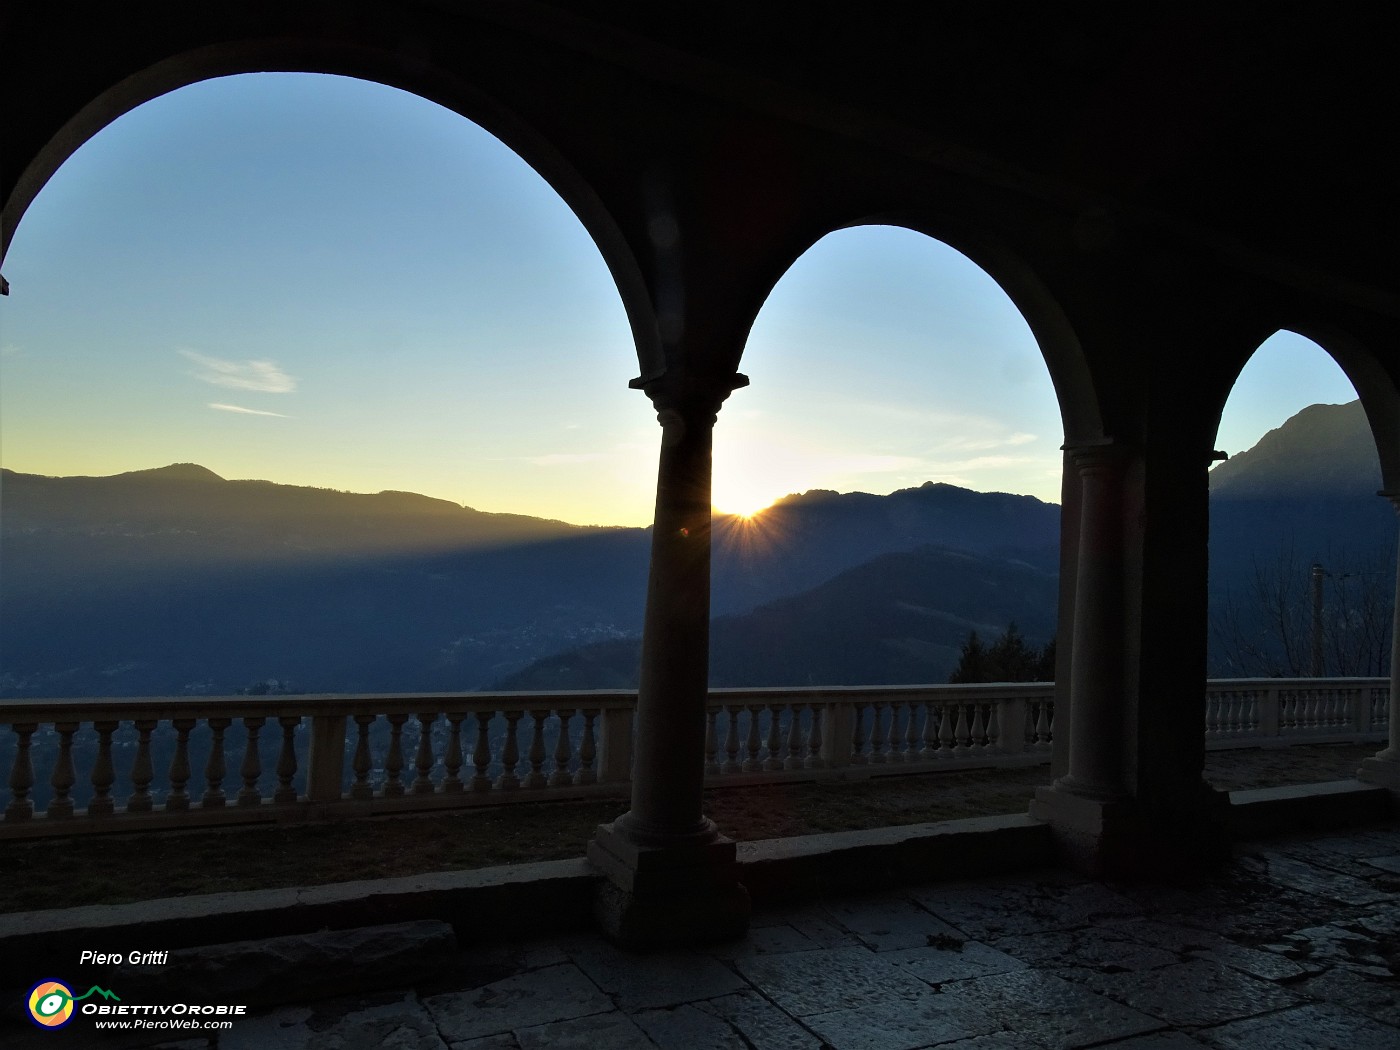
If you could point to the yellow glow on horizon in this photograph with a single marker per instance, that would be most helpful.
(740, 497)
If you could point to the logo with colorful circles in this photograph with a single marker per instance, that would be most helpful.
(51, 1003)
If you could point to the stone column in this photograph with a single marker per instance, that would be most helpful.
(671, 877)
(1383, 768)
(1093, 790)
(1096, 668)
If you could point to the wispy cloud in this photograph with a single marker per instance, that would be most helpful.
(968, 443)
(10, 350)
(265, 377)
(245, 411)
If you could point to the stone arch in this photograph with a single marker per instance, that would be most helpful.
(1374, 385)
(1055, 335)
(392, 68)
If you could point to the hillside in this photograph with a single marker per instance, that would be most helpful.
(897, 619)
(1321, 451)
(174, 580)
(1305, 494)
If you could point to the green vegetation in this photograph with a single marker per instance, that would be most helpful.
(1008, 659)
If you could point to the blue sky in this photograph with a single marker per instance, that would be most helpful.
(322, 281)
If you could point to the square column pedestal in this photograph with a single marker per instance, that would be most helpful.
(1115, 839)
(668, 895)
(1383, 770)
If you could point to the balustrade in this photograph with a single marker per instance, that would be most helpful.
(75, 765)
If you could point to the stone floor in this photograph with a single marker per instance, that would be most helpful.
(1296, 944)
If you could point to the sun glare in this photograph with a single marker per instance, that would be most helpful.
(744, 501)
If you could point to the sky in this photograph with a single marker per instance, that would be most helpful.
(321, 281)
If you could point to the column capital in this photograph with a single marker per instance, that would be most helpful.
(1393, 496)
(688, 395)
(1099, 457)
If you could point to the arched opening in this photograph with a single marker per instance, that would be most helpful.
(310, 385)
(887, 488)
(1301, 572)
(883, 362)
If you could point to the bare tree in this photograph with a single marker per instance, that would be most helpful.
(1267, 628)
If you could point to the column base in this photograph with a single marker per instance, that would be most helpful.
(670, 895)
(1115, 839)
(1383, 770)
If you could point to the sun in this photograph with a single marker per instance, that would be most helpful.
(741, 500)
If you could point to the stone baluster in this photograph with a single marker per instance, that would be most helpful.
(587, 751)
(877, 731)
(286, 794)
(423, 759)
(731, 740)
(796, 751)
(215, 769)
(711, 744)
(63, 777)
(251, 770)
(814, 738)
(774, 761)
(993, 730)
(563, 752)
(142, 772)
(103, 773)
(858, 735)
(452, 760)
(481, 756)
(361, 764)
(928, 751)
(1043, 728)
(510, 756)
(536, 777)
(962, 735)
(393, 761)
(753, 742)
(977, 734)
(893, 737)
(178, 801)
(945, 731)
(21, 806)
(912, 735)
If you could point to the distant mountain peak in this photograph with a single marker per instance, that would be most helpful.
(1321, 450)
(175, 472)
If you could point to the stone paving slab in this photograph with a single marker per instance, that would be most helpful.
(1193, 994)
(656, 979)
(1112, 947)
(805, 983)
(400, 1024)
(889, 922)
(1157, 1041)
(1007, 907)
(1048, 1010)
(610, 1031)
(1311, 1027)
(1288, 947)
(743, 1021)
(926, 1021)
(554, 993)
(1313, 880)
(953, 962)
